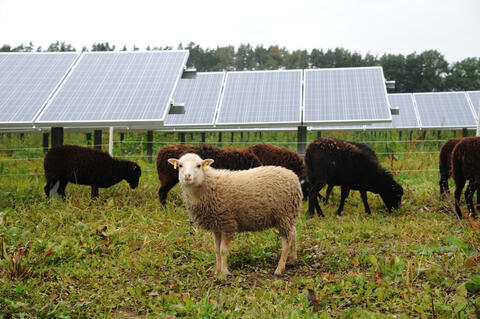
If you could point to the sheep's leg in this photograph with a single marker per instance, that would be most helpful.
(469, 197)
(345, 191)
(460, 183)
(224, 247)
(478, 197)
(62, 184)
(329, 190)
(47, 190)
(292, 238)
(51, 189)
(217, 237)
(94, 192)
(444, 189)
(313, 200)
(283, 257)
(163, 191)
(363, 193)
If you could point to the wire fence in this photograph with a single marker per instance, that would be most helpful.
(424, 152)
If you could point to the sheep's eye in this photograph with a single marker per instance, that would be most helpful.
(198, 165)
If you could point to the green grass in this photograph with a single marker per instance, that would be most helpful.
(123, 255)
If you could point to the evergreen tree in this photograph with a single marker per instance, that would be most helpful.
(102, 47)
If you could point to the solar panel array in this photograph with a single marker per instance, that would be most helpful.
(26, 81)
(134, 90)
(475, 99)
(345, 95)
(261, 98)
(200, 96)
(445, 110)
(117, 88)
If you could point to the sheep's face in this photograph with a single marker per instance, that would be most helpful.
(190, 168)
(134, 175)
(392, 195)
(305, 188)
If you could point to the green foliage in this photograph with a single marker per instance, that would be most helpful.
(123, 255)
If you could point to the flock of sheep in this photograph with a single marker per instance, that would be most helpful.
(226, 191)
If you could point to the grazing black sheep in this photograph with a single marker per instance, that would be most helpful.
(336, 162)
(367, 149)
(465, 165)
(232, 159)
(86, 166)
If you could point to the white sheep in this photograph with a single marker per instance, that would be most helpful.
(226, 202)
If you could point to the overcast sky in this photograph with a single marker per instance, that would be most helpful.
(375, 26)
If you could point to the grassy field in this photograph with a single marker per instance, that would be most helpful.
(123, 255)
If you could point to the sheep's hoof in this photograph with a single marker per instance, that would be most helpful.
(291, 261)
(278, 272)
(223, 275)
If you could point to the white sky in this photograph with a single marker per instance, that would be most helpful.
(376, 26)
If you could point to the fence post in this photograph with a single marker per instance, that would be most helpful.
(150, 146)
(88, 138)
(45, 142)
(97, 139)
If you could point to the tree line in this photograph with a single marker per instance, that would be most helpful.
(427, 71)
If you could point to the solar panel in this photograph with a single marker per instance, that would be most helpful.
(116, 88)
(475, 99)
(345, 95)
(200, 96)
(26, 82)
(261, 98)
(407, 117)
(445, 110)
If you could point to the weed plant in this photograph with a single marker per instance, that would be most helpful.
(123, 255)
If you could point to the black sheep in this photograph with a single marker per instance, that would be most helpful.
(367, 149)
(86, 166)
(445, 160)
(444, 164)
(167, 175)
(232, 159)
(465, 165)
(336, 162)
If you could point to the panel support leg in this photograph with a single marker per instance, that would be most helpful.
(301, 139)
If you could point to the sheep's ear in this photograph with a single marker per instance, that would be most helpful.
(174, 162)
(207, 162)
